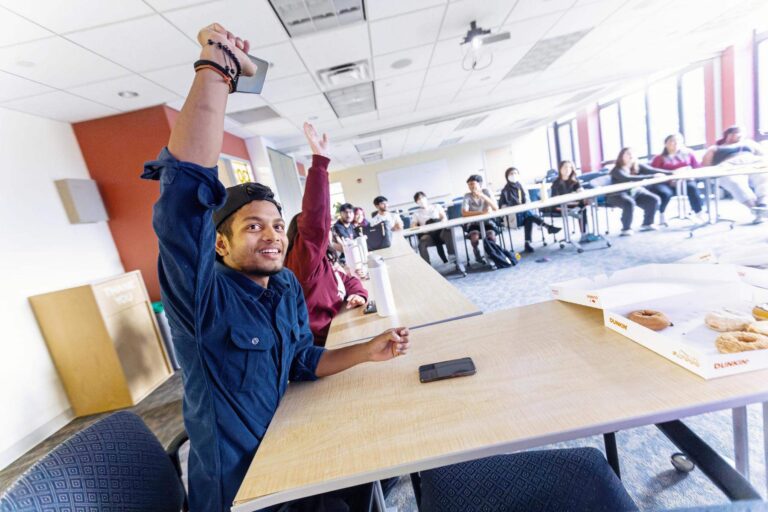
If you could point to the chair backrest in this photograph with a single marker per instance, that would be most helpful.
(598, 181)
(454, 211)
(406, 222)
(115, 464)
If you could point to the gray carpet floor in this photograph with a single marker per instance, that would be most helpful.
(644, 452)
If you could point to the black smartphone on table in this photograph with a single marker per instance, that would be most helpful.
(370, 307)
(446, 369)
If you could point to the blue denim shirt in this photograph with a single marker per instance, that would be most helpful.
(238, 343)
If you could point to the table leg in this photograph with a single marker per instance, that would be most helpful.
(378, 496)
(765, 442)
(741, 440)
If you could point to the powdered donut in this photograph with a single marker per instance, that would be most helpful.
(740, 341)
(654, 320)
(759, 327)
(725, 321)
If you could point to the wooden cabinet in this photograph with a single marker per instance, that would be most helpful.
(104, 341)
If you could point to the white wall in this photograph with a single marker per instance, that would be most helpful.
(490, 157)
(40, 252)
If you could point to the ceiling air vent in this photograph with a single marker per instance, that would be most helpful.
(375, 157)
(544, 53)
(470, 123)
(449, 142)
(253, 115)
(344, 75)
(353, 100)
(368, 147)
(307, 16)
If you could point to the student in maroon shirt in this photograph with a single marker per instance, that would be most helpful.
(310, 254)
(677, 156)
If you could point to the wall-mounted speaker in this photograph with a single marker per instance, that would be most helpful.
(82, 201)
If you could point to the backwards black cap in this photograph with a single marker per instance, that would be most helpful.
(239, 196)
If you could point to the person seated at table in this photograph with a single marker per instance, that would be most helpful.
(514, 194)
(382, 214)
(752, 190)
(359, 222)
(478, 201)
(344, 227)
(429, 214)
(238, 316)
(676, 156)
(567, 182)
(626, 170)
(312, 258)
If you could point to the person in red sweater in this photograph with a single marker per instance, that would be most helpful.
(677, 156)
(310, 254)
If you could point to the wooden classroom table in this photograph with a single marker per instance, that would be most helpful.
(422, 297)
(546, 373)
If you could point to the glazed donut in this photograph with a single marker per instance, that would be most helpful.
(724, 320)
(760, 312)
(653, 320)
(740, 341)
(759, 327)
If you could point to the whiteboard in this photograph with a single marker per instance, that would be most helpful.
(399, 185)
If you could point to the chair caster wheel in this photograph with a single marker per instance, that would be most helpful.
(608, 244)
(682, 463)
(579, 251)
(562, 246)
(731, 226)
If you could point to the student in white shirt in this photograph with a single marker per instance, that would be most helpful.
(429, 214)
(382, 214)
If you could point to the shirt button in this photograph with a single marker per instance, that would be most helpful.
(255, 341)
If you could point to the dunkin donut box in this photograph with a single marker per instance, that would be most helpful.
(643, 282)
(689, 342)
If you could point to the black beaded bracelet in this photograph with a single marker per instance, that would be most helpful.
(228, 52)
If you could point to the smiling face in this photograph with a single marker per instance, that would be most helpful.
(347, 215)
(256, 242)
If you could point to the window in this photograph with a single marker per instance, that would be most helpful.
(337, 197)
(552, 146)
(634, 129)
(567, 142)
(693, 125)
(610, 130)
(663, 112)
(761, 63)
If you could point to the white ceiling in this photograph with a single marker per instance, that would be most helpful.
(68, 60)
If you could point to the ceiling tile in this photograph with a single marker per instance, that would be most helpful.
(488, 14)
(532, 29)
(370, 117)
(284, 89)
(243, 101)
(106, 93)
(406, 100)
(330, 48)
(304, 108)
(525, 9)
(176, 78)
(58, 63)
(13, 87)
(406, 82)
(475, 93)
(14, 29)
(583, 17)
(128, 45)
(377, 9)
(167, 5)
(418, 57)
(445, 73)
(248, 19)
(61, 17)
(60, 106)
(406, 31)
(273, 128)
(442, 89)
(283, 59)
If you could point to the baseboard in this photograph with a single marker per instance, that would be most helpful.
(41, 433)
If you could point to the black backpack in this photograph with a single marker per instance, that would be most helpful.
(500, 256)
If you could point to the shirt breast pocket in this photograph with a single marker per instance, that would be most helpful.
(249, 358)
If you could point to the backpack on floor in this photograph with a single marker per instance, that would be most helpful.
(500, 256)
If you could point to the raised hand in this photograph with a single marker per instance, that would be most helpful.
(318, 145)
(215, 32)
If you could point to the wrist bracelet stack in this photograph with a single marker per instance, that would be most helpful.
(231, 70)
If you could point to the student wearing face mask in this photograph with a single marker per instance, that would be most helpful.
(429, 214)
(514, 194)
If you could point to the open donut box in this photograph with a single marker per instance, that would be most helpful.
(685, 300)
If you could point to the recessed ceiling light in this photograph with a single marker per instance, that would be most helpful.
(127, 94)
(312, 118)
(401, 63)
(25, 64)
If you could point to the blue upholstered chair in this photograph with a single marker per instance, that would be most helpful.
(115, 464)
(575, 480)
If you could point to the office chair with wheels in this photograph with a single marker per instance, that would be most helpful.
(115, 464)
